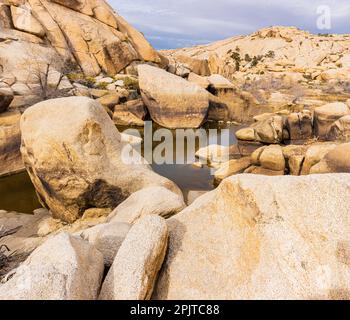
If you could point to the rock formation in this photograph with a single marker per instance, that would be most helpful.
(172, 101)
(76, 160)
(63, 268)
(262, 238)
(138, 261)
(87, 32)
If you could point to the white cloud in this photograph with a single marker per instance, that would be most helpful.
(168, 23)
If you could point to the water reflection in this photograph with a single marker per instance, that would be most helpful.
(18, 194)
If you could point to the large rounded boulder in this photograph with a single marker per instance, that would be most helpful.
(76, 159)
(262, 238)
(172, 101)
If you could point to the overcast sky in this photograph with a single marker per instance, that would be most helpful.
(180, 23)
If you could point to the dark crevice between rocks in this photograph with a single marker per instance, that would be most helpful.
(100, 194)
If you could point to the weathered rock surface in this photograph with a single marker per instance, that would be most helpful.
(87, 32)
(315, 154)
(274, 49)
(23, 238)
(76, 160)
(63, 268)
(231, 168)
(6, 97)
(272, 158)
(300, 125)
(326, 115)
(138, 261)
(178, 104)
(340, 130)
(10, 142)
(335, 161)
(131, 113)
(149, 201)
(262, 238)
(267, 131)
(107, 238)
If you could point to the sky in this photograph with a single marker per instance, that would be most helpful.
(181, 23)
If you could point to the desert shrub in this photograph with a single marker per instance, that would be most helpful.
(132, 84)
(270, 54)
(102, 85)
(247, 58)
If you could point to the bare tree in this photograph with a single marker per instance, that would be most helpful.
(47, 71)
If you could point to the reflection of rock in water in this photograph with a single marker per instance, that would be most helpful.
(18, 194)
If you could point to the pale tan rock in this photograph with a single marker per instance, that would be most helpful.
(123, 117)
(184, 106)
(149, 201)
(292, 150)
(231, 168)
(98, 93)
(255, 156)
(193, 195)
(198, 66)
(48, 226)
(23, 20)
(315, 154)
(217, 81)
(131, 139)
(105, 15)
(246, 134)
(199, 80)
(110, 100)
(96, 213)
(135, 268)
(272, 158)
(24, 239)
(270, 130)
(107, 238)
(76, 160)
(336, 74)
(340, 130)
(263, 171)
(326, 115)
(83, 6)
(295, 163)
(335, 161)
(261, 238)
(63, 268)
(87, 32)
(131, 113)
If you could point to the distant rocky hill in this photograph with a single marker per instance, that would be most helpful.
(276, 50)
(86, 32)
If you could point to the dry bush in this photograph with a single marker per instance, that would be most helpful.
(46, 72)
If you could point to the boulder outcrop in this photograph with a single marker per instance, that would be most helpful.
(63, 268)
(262, 238)
(172, 101)
(135, 268)
(77, 161)
(87, 32)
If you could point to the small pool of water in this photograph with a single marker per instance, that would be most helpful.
(18, 194)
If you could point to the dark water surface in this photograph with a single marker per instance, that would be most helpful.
(17, 192)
